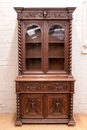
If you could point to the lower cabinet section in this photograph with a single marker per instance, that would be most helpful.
(44, 105)
(44, 102)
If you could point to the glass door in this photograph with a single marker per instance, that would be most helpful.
(33, 49)
(56, 47)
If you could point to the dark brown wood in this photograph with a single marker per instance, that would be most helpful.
(45, 85)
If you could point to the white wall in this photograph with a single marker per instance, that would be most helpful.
(9, 57)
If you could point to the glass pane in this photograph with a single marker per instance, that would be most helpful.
(33, 48)
(56, 48)
(56, 33)
(33, 33)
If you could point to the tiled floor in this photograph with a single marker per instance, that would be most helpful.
(7, 123)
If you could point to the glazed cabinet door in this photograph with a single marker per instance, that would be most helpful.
(57, 46)
(33, 48)
(32, 105)
(57, 105)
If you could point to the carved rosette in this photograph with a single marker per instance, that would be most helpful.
(18, 107)
(70, 47)
(19, 49)
(54, 86)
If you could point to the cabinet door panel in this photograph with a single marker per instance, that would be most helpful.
(57, 106)
(32, 105)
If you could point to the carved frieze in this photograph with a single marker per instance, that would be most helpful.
(43, 86)
(41, 15)
(29, 15)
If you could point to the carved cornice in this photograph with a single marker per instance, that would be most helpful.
(49, 86)
(41, 13)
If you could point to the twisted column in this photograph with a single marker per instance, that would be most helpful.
(71, 120)
(70, 47)
(18, 107)
(71, 107)
(19, 49)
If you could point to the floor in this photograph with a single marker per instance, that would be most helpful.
(7, 123)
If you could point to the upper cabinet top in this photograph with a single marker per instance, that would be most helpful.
(44, 13)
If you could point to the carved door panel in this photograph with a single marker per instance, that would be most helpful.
(57, 106)
(32, 105)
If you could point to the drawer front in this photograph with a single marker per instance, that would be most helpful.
(57, 105)
(43, 86)
(32, 105)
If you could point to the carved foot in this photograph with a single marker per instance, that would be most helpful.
(18, 123)
(71, 122)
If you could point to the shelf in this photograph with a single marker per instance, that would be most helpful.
(33, 50)
(33, 64)
(32, 42)
(56, 64)
(57, 57)
(56, 50)
(59, 42)
(33, 57)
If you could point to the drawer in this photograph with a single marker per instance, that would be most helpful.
(43, 86)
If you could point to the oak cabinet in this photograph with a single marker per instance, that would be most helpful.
(44, 85)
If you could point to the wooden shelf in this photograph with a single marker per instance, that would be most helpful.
(59, 57)
(33, 57)
(59, 42)
(31, 42)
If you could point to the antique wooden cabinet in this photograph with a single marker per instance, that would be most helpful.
(44, 85)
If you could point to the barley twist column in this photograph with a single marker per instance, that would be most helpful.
(18, 120)
(19, 49)
(70, 47)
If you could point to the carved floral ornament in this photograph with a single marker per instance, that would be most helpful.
(44, 14)
(34, 86)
